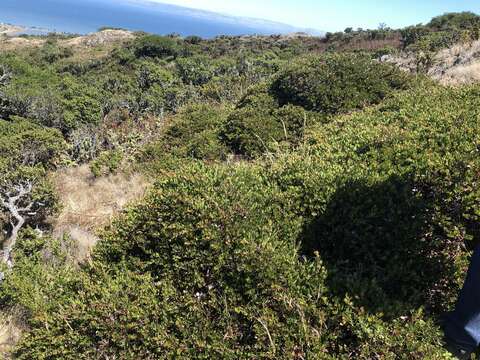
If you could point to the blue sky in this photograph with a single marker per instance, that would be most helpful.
(335, 15)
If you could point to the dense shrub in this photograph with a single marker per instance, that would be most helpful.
(106, 163)
(193, 39)
(155, 46)
(337, 83)
(412, 34)
(24, 143)
(81, 104)
(207, 267)
(251, 132)
(52, 52)
(442, 32)
(27, 152)
(211, 276)
(194, 132)
(152, 74)
(462, 20)
(259, 125)
(326, 85)
(391, 198)
(348, 243)
(195, 70)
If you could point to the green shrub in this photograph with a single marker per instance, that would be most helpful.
(24, 143)
(262, 121)
(51, 52)
(194, 132)
(434, 41)
(207, 267)
(195, 70)
(390, 198)
(81, 104)
(106, 163)
(258, 125)
(152, 74)
(349, 243)
(337, 83)
(217, 244)
(155, 46)
(122, 310)
(412, 34)
(461, 20)
(253, 132)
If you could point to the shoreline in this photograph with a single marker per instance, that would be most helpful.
(11, 30)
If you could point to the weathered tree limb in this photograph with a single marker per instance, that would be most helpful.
(19, 207)
(5, 75)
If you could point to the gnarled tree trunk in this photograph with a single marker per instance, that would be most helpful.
(15, 202)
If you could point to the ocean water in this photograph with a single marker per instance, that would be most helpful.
(84, 16)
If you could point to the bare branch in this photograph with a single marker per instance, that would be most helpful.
(5, 76)
(11, 200)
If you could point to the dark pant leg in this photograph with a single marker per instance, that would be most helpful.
(462, 327)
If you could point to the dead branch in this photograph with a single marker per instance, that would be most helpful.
(5, 76)
(16, 202)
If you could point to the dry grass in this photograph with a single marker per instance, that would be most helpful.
(457, 65)
(89, 204)
(96, 45)
(11, 329)
(460, 54)
(87, 47)
(462, 74)
(100, 38)
(16, 43)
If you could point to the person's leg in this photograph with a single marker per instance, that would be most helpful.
(462, 326)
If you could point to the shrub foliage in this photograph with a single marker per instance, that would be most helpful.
(306, 203)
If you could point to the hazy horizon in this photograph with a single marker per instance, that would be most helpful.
(72, 16)
(335, 15)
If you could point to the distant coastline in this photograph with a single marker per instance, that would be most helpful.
(84, 17)
(16, 30)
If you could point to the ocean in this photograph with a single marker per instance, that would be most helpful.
(85, 16)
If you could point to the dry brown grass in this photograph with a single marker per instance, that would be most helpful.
(16, 43)
(11, 329)
(6, 29)
(457, 65)
(87, 47)
(89, 204)
(96, 45)
(103, 37)
(462, 74)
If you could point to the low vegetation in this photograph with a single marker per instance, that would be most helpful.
(235, 198)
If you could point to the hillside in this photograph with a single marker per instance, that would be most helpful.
(254, 197)
(6, 29)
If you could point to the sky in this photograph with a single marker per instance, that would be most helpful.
(335, 15)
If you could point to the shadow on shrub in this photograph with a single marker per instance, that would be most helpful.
(382, 248)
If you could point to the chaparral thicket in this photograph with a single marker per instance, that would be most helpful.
(300, 197)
